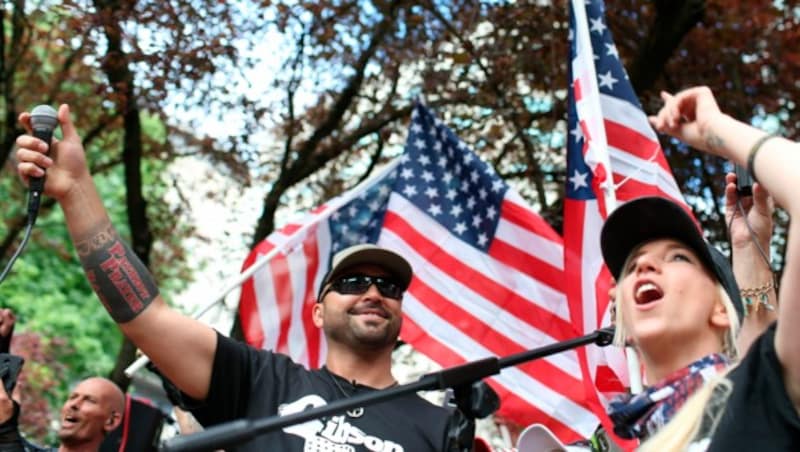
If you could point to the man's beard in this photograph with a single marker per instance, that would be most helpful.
(354, 333)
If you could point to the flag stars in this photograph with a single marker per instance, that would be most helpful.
(464, 186)
(435, 210)
(442, 161)
(482, 193)
(456, 210)
(431, 192)
(471, 202)
(611, 50)
(491, 212)
(451, 194)
(597, 25)
(424, 160)
(447, 177)
(410, 191)
(460, 228)
(473, 176)
(419, 144)
(578, 180)
(407, 173)
(497, 186)
(416, 128)
(476, 220)
(482, 239)
(577, 133)
(427, 176)
(607, 80)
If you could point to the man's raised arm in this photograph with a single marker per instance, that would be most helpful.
(181, 347)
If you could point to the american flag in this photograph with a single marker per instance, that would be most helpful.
(488, 275)
(608, 134)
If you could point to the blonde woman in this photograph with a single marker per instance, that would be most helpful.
(670, 307)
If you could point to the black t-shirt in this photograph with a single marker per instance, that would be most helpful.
(759, 415)
(250, 383)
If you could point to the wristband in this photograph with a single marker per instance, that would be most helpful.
(751, 156)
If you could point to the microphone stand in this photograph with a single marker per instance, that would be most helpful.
(241, 430)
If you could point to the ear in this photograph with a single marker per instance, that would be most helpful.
(316, 314)
(719, 316)
(113, 421)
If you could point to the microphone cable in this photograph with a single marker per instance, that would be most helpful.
(28, 229)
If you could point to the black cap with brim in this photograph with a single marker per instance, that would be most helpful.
(650, 218)
(368, 254)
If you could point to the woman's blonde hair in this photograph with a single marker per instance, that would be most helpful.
(729, 339)
(695, 421)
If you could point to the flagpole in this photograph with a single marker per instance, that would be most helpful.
(596, 154)
(291, 242)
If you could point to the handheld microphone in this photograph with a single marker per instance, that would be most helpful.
(44, 120)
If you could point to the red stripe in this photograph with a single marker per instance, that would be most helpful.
(520, 307)
(311, 252)
(497, 343)
(290, 228)
(282, 284)
(513, 254)
(601, 285)
(512, 406)
(248, 304)
(634, 188)
(629, 140)
(576, 89)
(526, 219)
(526, 263)
(574, 217)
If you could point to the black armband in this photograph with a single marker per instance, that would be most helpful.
(116, 274)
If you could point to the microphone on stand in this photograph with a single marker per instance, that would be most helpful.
(44, 120)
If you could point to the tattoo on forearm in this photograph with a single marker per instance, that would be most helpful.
(714, 142)
(116, 274)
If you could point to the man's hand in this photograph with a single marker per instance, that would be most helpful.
(8, 407)
(7, 320)
(65, 162)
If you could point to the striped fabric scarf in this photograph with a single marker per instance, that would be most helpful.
(641, 415)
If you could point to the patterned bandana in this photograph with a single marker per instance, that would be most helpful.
(641, 415)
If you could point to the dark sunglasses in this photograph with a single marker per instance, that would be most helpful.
(358, 284)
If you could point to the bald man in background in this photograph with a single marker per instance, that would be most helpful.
(94, 408)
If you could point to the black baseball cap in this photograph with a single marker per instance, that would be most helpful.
(652, 217)
(368, 253)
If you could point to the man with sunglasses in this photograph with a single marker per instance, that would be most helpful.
(359, 310)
